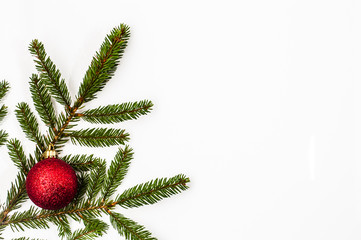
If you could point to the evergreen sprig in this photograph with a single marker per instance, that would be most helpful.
(117, 171)
(16, 195)
(29, 124)
(117, 112)
(94, 228)
(17, 224)
(17, 155)
(128, 228)
(63, 225)
(99, 137)
(42, 101)
(97, 184)
(96, 180)
(82, 162)
(50, 74)
(104, 64)
(152, 192)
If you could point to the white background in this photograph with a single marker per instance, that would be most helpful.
(258, 102)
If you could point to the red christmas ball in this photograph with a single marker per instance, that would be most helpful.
(51, 184)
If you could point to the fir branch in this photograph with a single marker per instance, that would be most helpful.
(16, 195)
(83, 182)
(128, 228)
(104, 64)
(81, 163)
(50, 74)
(35, 223)
(96, 179)
(100, 71)
(3, 112)
(93, 228)
(117, 171)
(89, 211)
(99, 137)
(42, 101)
(29, 124)
(117, 112)
(152, 191)
(17, 155)
(4, 88)
(63, 225)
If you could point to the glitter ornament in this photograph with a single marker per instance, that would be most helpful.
(51, 183)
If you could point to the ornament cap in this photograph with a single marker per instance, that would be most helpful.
(49, 153)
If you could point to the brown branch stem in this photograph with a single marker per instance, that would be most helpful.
(62, 129)
(72, 211)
